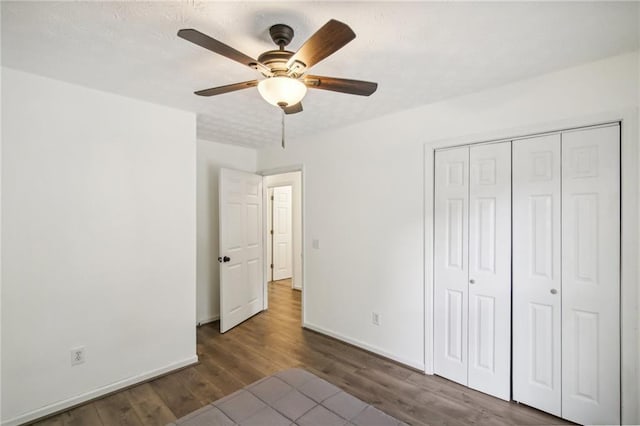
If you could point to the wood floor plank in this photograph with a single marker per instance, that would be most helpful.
(175, 395)
(117, 410)
(83, 415)
(200, 386)
(275, 340)
(149, 406)
(219, 376)
(51, 421)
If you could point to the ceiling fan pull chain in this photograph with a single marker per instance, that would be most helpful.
(282, 129)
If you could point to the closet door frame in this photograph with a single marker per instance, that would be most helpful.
(629, 120)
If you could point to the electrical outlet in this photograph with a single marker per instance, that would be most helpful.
(375, 318)
(77, 356)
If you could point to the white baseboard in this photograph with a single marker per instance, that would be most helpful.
(365, 346)
(208, 320)
(79, 399)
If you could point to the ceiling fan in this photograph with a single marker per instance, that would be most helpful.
(286, 81)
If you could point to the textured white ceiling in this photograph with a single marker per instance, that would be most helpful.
(418, 52)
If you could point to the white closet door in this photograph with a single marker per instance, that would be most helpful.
(591, 275)
(451, 270)
(489, 368)
(537, 273)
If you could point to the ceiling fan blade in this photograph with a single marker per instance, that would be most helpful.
(353, 87)
(293, 109)
(226, 89)
(203, 40)
(327, 40)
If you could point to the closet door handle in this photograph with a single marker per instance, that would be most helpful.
(472, 281)
(554, 291)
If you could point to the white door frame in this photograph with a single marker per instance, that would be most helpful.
(266, 275)
(269, 223)
(629, 319)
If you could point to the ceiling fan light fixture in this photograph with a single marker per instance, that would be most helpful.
(282, 90)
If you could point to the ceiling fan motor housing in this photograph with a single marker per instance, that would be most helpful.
(276, 60)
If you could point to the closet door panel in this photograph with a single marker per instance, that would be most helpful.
(537, 273)
(450, 263)
(489, 367)
(591, 275)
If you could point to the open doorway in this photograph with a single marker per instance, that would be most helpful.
(283, 231)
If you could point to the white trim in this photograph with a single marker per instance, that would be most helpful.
(428, 264)
(282, 170)
(79, 399)
(365, 346)
(208, 320)
(629, 321)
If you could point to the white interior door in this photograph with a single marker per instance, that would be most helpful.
(241, 292)
(451, 269)
(490, 269)
(269, 230)
(537, 273)
(591, 275)
(282, 233)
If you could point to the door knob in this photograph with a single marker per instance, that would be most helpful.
(554, 291)
(472, 281)
(224, 259)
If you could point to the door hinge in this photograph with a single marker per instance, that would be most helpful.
(272, 198)
(271, 266)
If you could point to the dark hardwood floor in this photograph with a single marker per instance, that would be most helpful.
(273, 341)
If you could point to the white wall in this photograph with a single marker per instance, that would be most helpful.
(294, 179)
(637, 370)
(98, 238)
(365, 197)
(212, 156)
(637, 331)
(0, 215)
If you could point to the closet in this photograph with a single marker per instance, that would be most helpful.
(527, 271)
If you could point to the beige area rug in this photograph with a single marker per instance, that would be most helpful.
(290, 397)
